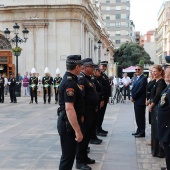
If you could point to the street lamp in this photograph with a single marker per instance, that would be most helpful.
(16, 40)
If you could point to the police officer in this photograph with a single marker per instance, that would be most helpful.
(96, 73)
(57, 81)
(70, 112)
(2, 82)
(104, 80)
(12, 88)
(164, 119)
(33, 82)
(46, 82)
(91, 106)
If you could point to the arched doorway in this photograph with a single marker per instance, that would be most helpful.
(6, 64)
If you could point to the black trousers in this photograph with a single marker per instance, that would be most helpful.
(1, 94)
(126, 89)
(88, 125)
(56, 94)
(68, 146)
(140, 117)
(45, 91)
(33, 93)
(156, 149)
(167, 154)
(101, 115)
(12, 95)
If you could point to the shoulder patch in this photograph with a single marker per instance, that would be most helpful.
(69, 78)
(70, 92)
(81, 76)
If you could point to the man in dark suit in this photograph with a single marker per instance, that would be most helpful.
(139, 98)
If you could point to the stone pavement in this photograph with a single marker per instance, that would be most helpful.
(29, 139)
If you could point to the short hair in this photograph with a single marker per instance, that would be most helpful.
(138, 65)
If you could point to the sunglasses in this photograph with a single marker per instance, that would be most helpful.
(137, 69)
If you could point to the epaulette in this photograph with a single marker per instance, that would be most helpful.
(92, 77)
(69, 78)
(81, 76)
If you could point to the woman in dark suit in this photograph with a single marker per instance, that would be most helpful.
(156, 91)
(164, 119)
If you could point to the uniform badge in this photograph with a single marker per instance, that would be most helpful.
(163, 99)
(104, 77)
(70, 92)
(90, 84)
(81, 87)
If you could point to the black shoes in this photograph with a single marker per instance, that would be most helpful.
(95, 141)
(163, 168)
(30, 102)
(11, 102)
(15, 102)
(55, 102)
(82, 166)
(136, 133)
(140, 135)
(36, 102)
(102, 133)
(48, 102)
(44, 102)
(89, 161)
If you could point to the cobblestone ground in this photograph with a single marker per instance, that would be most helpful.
(29, 139)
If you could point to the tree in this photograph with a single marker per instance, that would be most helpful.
(130, 54)
(141, 62)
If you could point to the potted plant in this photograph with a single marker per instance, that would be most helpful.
(16, 51)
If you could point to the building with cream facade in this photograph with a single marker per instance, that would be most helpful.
(163, 33)
(57, 28)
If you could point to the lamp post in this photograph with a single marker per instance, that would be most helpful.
(99, 52)
(17, 40)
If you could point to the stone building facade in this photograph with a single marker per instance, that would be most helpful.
(57, 28)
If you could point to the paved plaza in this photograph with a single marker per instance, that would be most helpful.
(29, 139)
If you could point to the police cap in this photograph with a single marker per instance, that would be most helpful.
(96, 67)
(73, 60)
(87, 62)
(104, 63)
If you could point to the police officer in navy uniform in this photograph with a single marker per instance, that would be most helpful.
(12, 88)
(164, 119)
(70, 113)
(97, 72)
(57, 81)
(91, 107)
(1, 88)
(33, 83)
(46, 82)
(104, 80)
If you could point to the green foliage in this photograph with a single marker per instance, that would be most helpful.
(130, 54)
(141, 62)
(17, 49)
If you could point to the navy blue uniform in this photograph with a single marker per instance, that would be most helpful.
(69, 92)
(104, 80)
(33, 83)
(91, 105)
(164, 123)
(47, 82)
(57, 81)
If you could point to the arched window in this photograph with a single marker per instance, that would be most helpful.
(4, 43)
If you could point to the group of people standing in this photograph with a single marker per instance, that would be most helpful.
(156, 95)
(83, 97)
(31, 84)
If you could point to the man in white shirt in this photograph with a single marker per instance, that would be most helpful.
(126, 85)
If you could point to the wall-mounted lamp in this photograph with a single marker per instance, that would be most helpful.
(99, 45)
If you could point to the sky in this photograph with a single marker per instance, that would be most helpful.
(144, 14)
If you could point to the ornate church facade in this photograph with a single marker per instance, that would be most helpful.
(57, 28)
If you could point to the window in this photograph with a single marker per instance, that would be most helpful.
(117, 1)
(108, 24)
(118, 8)
(127, 8)
(127, 33)
(117, 33)
(127, 16)
(107, 1)
(127, 0)
(117, 24)
(117, 41)
(108, 8)
(118, 16)
(127, 24)
(107, 17)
